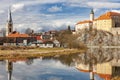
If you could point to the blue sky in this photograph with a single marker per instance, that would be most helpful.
(52, 14)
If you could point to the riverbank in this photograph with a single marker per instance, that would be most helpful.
(37, 52)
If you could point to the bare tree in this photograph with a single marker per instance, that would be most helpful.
(29, 31)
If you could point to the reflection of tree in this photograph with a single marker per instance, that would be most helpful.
(29, 61)
(95, 56)
(67, 60)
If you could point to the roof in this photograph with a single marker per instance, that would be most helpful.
(17, 34)
(108, 15)
(85, 21)
(38, 37)
(105, 76)
(83, 70)
(17, 59)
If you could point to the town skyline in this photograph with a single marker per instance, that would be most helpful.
(56, 14)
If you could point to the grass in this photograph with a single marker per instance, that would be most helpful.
(36, 52)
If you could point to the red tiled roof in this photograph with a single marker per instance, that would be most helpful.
(83, 70)
(108, 15)
(86, 21)
(105, 76)
(17, 34)
(38, 37)
(18, 59)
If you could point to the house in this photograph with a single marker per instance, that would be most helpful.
(16, 41)
(46, 44)
(56, 43)
(45, 41)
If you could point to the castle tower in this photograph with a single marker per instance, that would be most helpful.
(9, 27)
(91, 15)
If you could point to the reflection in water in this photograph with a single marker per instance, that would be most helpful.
(9, 65)
(104, 63)
(9, 68)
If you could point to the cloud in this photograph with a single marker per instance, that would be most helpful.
(54, 78)
(103, 5)
(55, 9)
(2, 11)
(116, 11)
(39, 15)
(16, 7)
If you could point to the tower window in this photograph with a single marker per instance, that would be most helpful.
(9, 29)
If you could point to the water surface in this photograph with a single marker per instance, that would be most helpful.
(102, 64)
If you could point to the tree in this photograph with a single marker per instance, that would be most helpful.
(69, 29)
(29, 31)
(3, 30)
(29, 61)
(66, 38)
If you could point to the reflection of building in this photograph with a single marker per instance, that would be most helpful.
(109, 21)
(9, 69)
(87, 68)
(105, 70)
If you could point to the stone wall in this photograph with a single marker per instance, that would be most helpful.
(115, 30)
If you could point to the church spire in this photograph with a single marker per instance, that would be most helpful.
(9, 16)
(9, 27)
(9, 68)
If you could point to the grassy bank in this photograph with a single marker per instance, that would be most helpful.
(36, 52)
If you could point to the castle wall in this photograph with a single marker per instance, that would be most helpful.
(105, 25)
(115, 30)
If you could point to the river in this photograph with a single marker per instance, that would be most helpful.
(94, 64)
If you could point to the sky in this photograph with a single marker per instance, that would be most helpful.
(43, 15)
(42, 70)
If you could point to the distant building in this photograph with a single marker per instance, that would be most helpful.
(86, 23)
(110, 21)
(1, 34)
(83, 24)
(17, 34)
(13, 37)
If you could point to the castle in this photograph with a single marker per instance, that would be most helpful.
(110, 21)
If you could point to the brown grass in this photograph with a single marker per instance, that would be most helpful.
(38, 52)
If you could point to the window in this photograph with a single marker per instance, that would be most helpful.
(9, 29)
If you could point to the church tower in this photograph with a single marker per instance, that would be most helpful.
(9, 27)
(91, 15)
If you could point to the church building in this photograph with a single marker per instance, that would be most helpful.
(9, 28)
